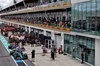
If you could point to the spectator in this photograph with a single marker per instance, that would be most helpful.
(55, 51)
(52, 53)
(60, 50)
(32, 43)
(43, 48)
(82, 57)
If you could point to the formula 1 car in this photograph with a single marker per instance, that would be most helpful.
(18, 55)
(14, 46)
(11, 46)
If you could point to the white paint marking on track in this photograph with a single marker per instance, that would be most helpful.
(14, 61)
(25, 63)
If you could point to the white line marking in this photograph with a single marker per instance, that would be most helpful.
(25, 63)
(14, 61)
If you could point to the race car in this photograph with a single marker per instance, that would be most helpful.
(16, 46)
(18, 55)
(11, 46)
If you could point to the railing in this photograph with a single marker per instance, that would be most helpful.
(42, 23)
(44, 5)
(49, 4)
(46, 25)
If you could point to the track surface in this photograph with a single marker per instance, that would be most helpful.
(5, 58)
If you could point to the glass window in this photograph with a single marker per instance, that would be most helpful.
(76, 44)
(86, 17)
(73, 12)
(98, 17)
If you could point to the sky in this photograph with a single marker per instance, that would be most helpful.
(7, 3)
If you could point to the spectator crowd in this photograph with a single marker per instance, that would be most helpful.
(30, 5)
(45, 21)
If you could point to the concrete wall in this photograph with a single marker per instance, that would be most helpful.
(48, 34)
(57, 41)
(97, 52)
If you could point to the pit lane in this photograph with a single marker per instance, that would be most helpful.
(5, 58)
(5, 45)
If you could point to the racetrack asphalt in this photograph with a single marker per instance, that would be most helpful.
(5, 58)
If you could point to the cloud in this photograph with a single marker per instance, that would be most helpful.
(7, 3)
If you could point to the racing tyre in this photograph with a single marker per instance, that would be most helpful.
(23, 49)
(9, 47)
(11, 53)
(25, 56)
(15, 56)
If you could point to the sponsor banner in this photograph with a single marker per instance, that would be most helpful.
(40, 25)
(44, 7)
(69, 30)
(58, 5)
(39, 8)
(36, 24)
(53, 27)
(44, 25)
(61, 28)
(48, 6)
(68, 3)
(58, 28)
(64, 29)
(50, 26)
(47, 26)
(64, 4)
(61, 4)
(53, 6)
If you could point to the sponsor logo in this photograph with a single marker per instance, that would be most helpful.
(44, 25)
(48, 6)
(53, 5)
(58, 5)
(64, 29)
(44, 7)
(58, 28)
(64, 4)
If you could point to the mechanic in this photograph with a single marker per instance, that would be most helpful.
(33, 55)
